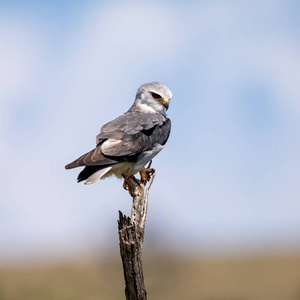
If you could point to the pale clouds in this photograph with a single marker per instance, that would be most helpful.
(113, 50)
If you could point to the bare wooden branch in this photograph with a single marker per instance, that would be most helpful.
(131, 237)
(145, 208)
(131, 254)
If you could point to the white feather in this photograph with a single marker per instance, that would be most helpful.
(97, 175)
(150, 106)
(109, 144)
(131, 168)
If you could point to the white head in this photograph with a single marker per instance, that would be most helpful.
(153, 97)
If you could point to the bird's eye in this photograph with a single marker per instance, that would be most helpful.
(156, 96)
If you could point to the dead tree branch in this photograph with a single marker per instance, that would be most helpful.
(131, 237)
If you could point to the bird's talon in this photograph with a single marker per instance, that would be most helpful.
(146, 175)
(152, 171)
(126, 186)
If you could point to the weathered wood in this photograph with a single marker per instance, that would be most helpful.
(131, 254)
(131, 236)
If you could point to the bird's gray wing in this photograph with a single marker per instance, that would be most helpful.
(126, 138)
(130, 123)
(93, 158)
(133, 133)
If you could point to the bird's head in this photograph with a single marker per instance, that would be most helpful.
(153, 97)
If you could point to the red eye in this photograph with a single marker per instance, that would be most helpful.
(156, 96)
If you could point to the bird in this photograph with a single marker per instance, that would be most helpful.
(126, 144)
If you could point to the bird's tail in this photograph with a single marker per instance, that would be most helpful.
(93, 173)
(97, 175)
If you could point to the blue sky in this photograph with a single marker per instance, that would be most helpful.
(229, 176)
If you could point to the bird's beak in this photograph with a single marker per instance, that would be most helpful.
(166, 103)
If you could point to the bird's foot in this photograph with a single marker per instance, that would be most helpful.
(126, 186)
(146, 174)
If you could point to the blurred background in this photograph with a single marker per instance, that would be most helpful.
(224, 214)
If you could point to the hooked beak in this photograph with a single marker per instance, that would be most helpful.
(166, 103)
